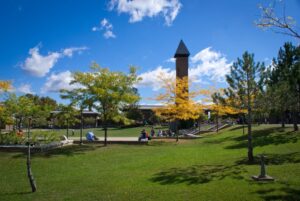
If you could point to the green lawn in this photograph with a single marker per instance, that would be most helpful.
(211, 168)
(112, 132)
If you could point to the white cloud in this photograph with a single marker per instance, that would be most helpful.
(25, 88)
(152, 78)
(109, 34)
(171, 60)
(107, 27)
(206, 55)
(39, 65)
(105, 24)
(95, 29)
(56, 82)
(69, 51)
(207, 65)
(138, 9)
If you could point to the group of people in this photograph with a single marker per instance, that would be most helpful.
(160, 133)
(164, 133)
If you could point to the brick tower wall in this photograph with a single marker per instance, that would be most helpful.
(182, 67)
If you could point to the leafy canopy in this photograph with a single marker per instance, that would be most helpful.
(178, 102)
(106, 91)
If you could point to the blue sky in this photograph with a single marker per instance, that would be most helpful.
(42, 42)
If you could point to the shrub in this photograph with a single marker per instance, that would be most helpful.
(11, 138)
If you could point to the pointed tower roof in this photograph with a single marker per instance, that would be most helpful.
(182, 50)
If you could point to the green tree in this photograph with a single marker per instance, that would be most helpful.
(5, 116)
(284, 80)
(132, 111)
(81, 98)
(67, 116)
(243, 81)
(46, 105)
(222, 107)
(24, 109)
(107, 91)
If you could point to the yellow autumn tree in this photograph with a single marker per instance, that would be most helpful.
(223, 106)
(5, 85)
(178, 101)
(4, 117)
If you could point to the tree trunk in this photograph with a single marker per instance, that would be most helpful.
(105, 136)
(0, 132)
(67, 128)
(243, 123)
(15, 124)
(96, 122)
(19, 123)
(81, 126)
(29, 173)
(176, 130)
(295, 120)
(250, 146)
(52, 124)
(217, 123)
(105, 130)
(283, 119)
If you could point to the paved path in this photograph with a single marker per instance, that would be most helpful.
(112, 139)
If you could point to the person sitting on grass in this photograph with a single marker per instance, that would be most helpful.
(159, 133)
(91, 137)
(143, 135)
(148, 136)
(152, 132)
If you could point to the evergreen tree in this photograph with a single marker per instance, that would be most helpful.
(244, 81)
(285, 80)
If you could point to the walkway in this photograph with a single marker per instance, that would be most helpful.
(111, 139)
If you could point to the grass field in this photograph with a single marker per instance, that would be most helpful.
(111, 132)
(211, 168)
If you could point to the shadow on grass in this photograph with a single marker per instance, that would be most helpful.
(274, 136)
(217, 141)
(198, 174)
(160, 143)
(273, 159)
(237, 128)
(283, 193)
(16, 193)
(64, 151)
